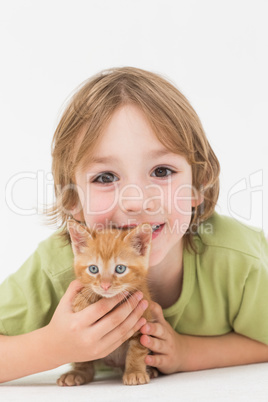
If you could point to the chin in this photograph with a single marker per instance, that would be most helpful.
(156, 258)
(107, 294)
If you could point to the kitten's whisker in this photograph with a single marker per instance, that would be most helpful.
(131, 290)
(124, 293)
(127, 295)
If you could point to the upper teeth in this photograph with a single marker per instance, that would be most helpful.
(154, 227)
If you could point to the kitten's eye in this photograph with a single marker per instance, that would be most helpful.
(106, 178)
(93, 269)
(120, 269)
(162, 172)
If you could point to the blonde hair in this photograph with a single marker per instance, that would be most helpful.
(172, 118)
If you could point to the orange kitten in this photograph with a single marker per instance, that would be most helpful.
(110, 262)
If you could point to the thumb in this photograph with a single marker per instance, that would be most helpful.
(72, 290)
(157, 312)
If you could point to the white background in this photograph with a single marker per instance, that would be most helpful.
(214, 51)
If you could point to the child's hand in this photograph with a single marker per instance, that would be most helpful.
(163, 341)
(94, 332)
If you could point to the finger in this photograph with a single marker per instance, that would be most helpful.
(154, 329)
(72, 290)
(122, 312)
(154, 344)
(155, 360)
(157, 312)
(99, 310)
(116, 338)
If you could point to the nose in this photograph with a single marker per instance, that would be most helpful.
(105, 285)
(135, 199)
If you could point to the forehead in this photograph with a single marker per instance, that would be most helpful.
(128, 135)
(128, 127)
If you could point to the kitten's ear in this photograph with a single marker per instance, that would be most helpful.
(140, 239)
(79, 236)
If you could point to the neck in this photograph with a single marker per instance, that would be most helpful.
(165, 279)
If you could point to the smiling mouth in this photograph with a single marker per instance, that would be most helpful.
(155, 227)
(157, 230)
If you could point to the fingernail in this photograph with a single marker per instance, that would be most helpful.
(142, 322)
(139, 295)
(149, 359)
(144, 304)
(147, 328)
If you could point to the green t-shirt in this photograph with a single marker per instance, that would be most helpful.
(225, 284)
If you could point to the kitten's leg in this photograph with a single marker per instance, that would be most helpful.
(135, 369)
(152, 371)
(82, 373)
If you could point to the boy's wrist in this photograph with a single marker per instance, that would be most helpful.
(183, 353)
(43, 344)
(49, 347)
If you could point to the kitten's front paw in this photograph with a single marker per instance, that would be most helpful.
(72, 378)
(152, 372)
(136, 378)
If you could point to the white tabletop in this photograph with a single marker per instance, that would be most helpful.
(242, 383)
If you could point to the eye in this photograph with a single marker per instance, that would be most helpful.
(105, 178)
(93, 269)
(120, 269)
(162, 171)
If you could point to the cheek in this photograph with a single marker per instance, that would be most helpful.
(98, 206)
(179, 211)
(180, 201)
(98, 221)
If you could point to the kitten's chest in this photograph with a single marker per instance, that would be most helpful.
(118, 357)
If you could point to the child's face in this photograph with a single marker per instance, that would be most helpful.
(135, 179)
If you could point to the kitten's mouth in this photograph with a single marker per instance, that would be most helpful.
(106, 293)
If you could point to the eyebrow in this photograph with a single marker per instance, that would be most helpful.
(157, 153)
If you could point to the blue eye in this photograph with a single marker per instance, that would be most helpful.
(93, 269)
(106, 178)
(120, 269)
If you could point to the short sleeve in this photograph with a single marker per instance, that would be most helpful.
(252, 318)
(27, 298)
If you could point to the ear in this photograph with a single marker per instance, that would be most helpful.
(197, 196)
(140, 239)
(79, 236)
(77, 212)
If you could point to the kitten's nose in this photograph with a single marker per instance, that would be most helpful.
(105, 285)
